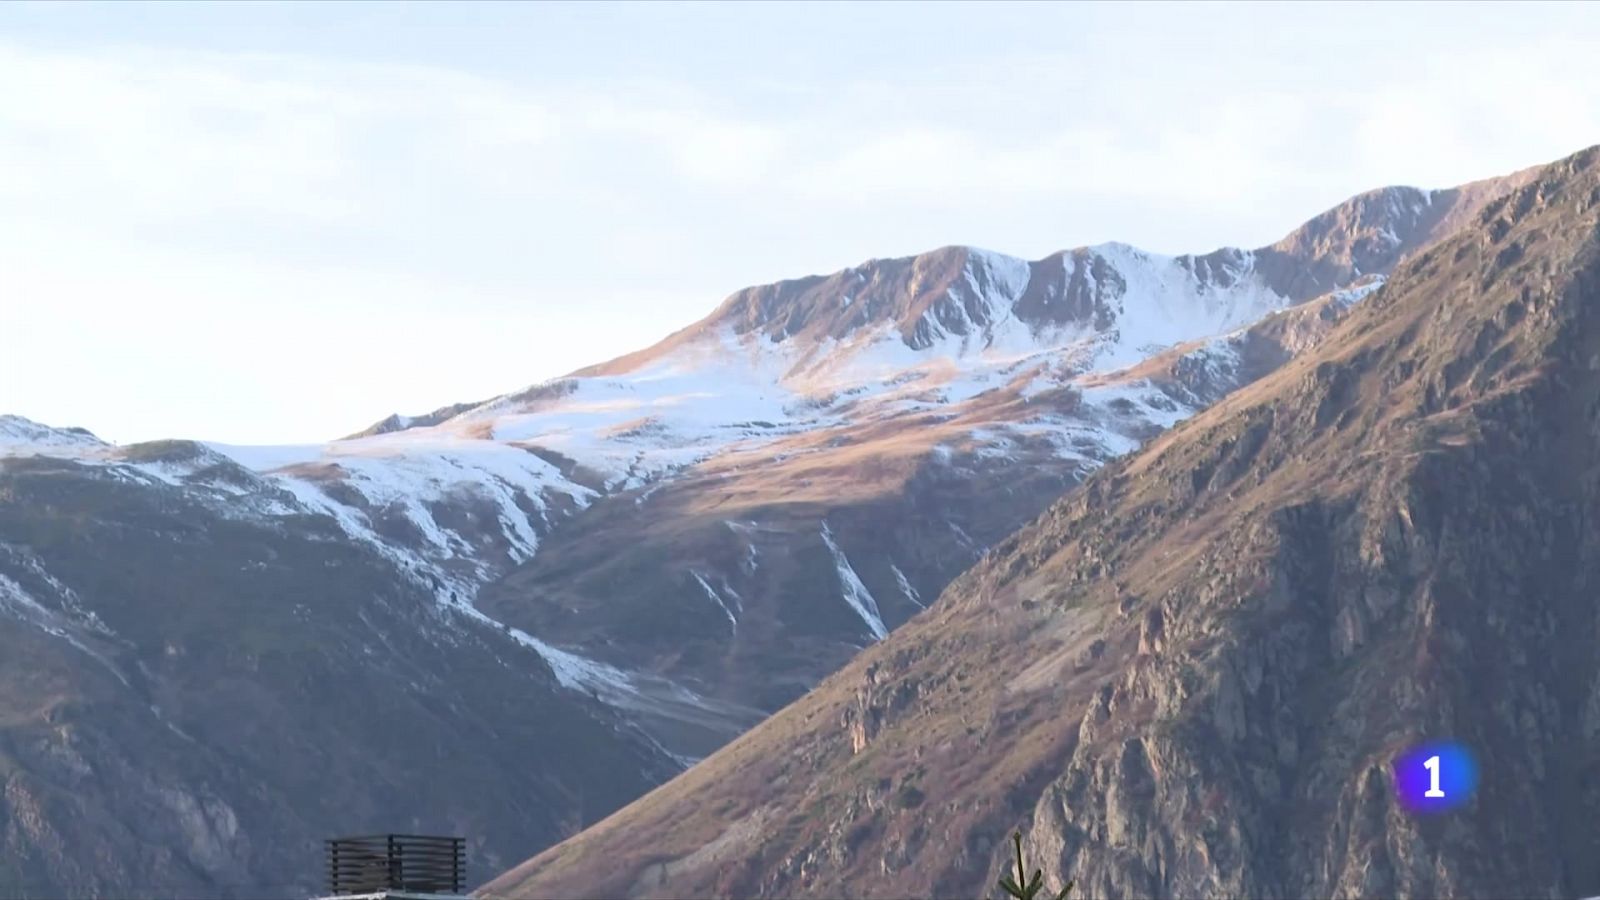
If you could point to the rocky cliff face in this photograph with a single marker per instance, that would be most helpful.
(1190, 676)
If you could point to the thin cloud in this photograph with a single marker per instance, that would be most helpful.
(160, 209)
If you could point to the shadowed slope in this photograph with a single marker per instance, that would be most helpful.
(192, 698)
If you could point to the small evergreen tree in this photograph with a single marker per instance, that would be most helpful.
(1031, 888)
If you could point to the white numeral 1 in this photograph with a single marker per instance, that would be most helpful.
(1432, 765)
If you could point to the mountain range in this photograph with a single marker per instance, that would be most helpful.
(1191, 675)
(510, 618)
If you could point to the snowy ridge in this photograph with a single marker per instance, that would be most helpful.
(725, 390)
(1163, 304)
(459, 502)
(1117, 409)
(406, 492)
(405, 477)
(24, 437)
(634, 428)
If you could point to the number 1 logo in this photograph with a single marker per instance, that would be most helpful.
(1432, 765)
(1434, 777)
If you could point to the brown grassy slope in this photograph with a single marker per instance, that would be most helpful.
(1187, 677)
(619, 582)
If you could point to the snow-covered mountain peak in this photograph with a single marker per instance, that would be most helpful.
(965, 303)
(935, 329)
(21, 436)
(1050, 349)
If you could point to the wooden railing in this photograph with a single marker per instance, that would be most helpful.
(396, 862)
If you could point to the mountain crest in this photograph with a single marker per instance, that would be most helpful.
(22, 436)
(960, 301)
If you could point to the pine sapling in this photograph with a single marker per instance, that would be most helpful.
(1030, 889)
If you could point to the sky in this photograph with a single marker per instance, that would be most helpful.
(279, 222)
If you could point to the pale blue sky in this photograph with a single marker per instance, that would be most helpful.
(279, 222)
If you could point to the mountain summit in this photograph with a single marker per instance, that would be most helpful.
(967, 300)
(1190, 676)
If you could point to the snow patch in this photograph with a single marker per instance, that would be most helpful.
(906, 588)
(855, 593)
(26, 608)
(733, 621)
